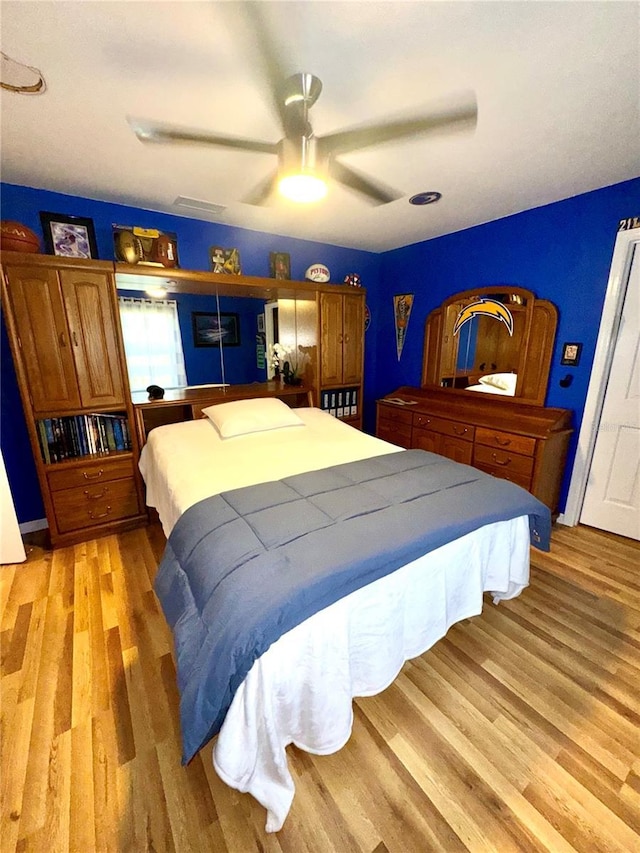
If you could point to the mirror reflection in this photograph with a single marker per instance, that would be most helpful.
(178, 339)
(482, 343)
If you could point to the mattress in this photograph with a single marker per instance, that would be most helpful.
(301, 690)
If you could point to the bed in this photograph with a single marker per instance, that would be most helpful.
(300, 688)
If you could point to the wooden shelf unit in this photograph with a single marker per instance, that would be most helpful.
(64, 331)
(66, 340)
(186, 404)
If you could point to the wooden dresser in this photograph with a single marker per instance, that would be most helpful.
(524, 443)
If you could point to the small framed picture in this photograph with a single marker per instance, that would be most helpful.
(213, 330)
(68, 236)
(261, 323)
(225, 260)
(571, 354)
(280, 265)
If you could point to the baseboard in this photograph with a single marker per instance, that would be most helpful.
(32, 526)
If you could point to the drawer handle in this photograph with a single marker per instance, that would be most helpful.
(422, 420)
(458, 432)
(93, 476)
(104, 491)
(503, 442)
(506, 461)
(94, 517)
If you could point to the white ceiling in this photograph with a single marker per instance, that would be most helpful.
(557, 84)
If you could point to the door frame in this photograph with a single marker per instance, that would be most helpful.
(626, 242)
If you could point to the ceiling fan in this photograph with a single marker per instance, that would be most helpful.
(306, 161)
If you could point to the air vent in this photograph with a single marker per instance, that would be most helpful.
(199, 204)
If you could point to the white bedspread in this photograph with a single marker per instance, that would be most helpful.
(300, 691)
(184, 463)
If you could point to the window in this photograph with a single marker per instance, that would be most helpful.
(152, 343)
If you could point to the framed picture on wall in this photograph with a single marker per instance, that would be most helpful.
(280, 265)
(212, 329)
(68, 236)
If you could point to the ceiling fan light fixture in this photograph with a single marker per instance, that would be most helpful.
(302, 188)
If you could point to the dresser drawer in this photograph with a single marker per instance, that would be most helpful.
(396, 414)
(395, 432)
(503, 474)
(97, 503)
(506, 441)
(502, 460)
(91, 473)
(444, 427)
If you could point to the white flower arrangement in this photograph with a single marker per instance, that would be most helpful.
(277, 354)
(282, 357)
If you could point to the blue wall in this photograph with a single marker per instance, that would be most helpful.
(562, 252)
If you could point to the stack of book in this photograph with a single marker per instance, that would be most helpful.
(82, 435)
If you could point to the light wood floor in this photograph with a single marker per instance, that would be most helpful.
(517, 732)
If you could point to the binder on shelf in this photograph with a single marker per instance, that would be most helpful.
(341, 402)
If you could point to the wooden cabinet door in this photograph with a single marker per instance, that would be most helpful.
(45, 346)
(94, 340)
(456, 449)
(331, 338)
(424, 439)
(352, 338)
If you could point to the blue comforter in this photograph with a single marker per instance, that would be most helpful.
(242, 568)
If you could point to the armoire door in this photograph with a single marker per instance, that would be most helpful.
(331, 338)
(45, 345)
(94, 340)
(352, 338)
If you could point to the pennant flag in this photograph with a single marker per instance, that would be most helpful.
(402, 305)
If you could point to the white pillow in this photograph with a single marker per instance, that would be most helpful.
(503, 381)
(488, 389)
(255, 415)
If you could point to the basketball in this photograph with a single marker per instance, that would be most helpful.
(15, 237)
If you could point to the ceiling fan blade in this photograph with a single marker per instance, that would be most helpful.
(458, 114)
(263, 191)
(148, 131)
(269, 57)
(375, 191)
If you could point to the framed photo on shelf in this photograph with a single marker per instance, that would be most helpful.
(225, 261)
(571, 354)
(68, 236)
(213, 330)
(280, 265)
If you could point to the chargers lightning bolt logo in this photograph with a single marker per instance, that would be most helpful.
(484, 306)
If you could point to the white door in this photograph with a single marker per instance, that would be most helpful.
(612, 497)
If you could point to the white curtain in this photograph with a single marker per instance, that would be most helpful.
(152, 343)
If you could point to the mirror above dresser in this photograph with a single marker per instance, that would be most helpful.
(491, 340)
(486, 362)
